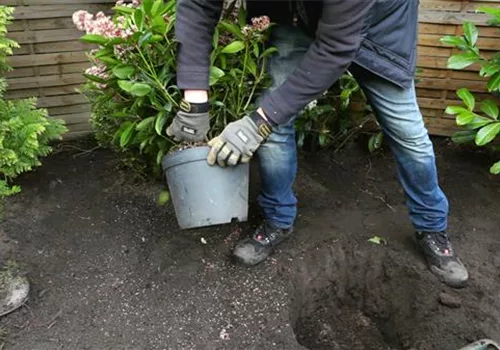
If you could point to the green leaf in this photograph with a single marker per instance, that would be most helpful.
(215, 74)
(140, 89)
(471, 33)
(494, 82)
(120, 114)
(159, 25)
(94, 39)
(242, 16)
(462, 137)
(452, 110)
(461, 61)
(155, 10)
(125, 85)
(487, 133)
(145, 123)
(126, 135)
(139, 19)
(252, 66)
(232, 28)
(123, 9)
(492, 11)
(94, 78)
(465, 118)
(163, 198)
(466, 96)
(256, 50)
(146, 38)
(489, 69)
(478, 122)
(123, 71)
(234, 47)
(147, 5)
(161, 120)
(215, 40)
(109, 60)
(490, 108)
(269, 51)
(223, 61)
(495, 168)
(159, 156)
(104, 52)
(454, 41)
(375, 142)
(377, 240)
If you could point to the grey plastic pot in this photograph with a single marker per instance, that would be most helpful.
(205, 195)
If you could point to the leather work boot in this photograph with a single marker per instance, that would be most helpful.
(441, 258)
(257, 247)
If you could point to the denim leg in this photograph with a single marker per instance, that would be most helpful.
(399, 116)
(278, 155)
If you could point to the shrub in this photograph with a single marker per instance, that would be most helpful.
(480, 120)
(132, 86)
(25, 130)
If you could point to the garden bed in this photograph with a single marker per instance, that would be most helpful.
(110, 269)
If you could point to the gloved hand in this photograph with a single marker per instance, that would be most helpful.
(239, 140)
(191, 123)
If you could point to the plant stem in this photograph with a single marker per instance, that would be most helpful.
(240, 86)
(257, 82)
(154, 77)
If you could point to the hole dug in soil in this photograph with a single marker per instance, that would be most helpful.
(373, 299)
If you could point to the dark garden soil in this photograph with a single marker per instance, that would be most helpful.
(110, 270)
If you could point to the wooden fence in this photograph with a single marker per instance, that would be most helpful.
(51, 59)
(437, 85)
(50, 62)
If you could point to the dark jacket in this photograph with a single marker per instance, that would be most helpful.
(379, 35)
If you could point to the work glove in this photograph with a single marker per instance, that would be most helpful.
(239, 140)
(191, 123)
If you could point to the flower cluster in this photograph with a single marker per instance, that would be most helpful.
(101, 25)
(259, 24)
(98, 71)
(135, 3)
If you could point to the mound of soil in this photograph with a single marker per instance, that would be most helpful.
(110, 270)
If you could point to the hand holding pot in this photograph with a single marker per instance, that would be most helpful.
(239, 140)
(191, 123)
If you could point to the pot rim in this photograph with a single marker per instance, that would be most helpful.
(188, 155)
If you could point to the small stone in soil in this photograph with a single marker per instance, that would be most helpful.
(449, 300)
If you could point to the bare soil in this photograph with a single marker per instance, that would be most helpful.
(110, 270)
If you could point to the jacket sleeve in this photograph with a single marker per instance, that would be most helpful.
(194, 30)
(338, 38)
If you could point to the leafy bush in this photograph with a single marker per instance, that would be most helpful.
(132, 86)
(480, 120)
(327, 121)
(25, 130)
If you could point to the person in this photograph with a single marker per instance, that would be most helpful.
(318, 41)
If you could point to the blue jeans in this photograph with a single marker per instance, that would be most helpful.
(399, 116)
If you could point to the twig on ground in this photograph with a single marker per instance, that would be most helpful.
(83, 152)
(338, 163)
(86, 152)
(368, 171)
(52, 322)
(21, 326)
(382, 199)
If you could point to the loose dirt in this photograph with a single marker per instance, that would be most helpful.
(110, 269)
